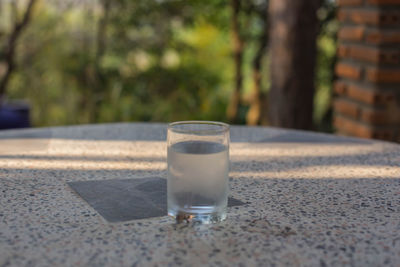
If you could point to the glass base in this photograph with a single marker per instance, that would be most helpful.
(202, 218)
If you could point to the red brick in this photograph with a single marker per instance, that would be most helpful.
(365, 17)
(370, 17)
(387, 135)
(386, 115)
(342, 15)
(352, 127)
(355, 128)
(370, 54)
(349, 2)
(343, 51)
(369, 96)
(348, 71)
(384, 2)
(373, 116)
(383, 36)
(340, 88)
(364, 95)
(384, 98)
(367, 91)
(365, 53)
(351, 33)
(380, 117)
(389, 56)
(378, 75)
(348, 108)
(358, 52)
(357, 93)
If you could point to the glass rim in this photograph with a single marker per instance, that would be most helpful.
(224, 127)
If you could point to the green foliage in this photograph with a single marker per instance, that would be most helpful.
(163, 61)
(326, 45)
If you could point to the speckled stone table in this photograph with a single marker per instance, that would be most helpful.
(311, 199)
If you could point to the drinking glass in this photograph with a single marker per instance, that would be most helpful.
(198, 166)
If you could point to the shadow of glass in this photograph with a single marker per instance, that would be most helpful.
(120, 200)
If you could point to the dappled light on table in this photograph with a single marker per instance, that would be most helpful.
(256, 160)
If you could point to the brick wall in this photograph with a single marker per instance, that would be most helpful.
(367, 89)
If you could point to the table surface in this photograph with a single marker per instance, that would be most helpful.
(312, 199)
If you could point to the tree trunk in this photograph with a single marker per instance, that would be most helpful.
(11, 45)
(257, 112)
(233, 107)
(293, 33)
(97, 87)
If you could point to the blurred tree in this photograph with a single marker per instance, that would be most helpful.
(141, 60)
(98, 86)
(87, 61)
(249, 36)
(149, 62)
(7, 54)
(238, 46)
(293, 33)
(257, 113)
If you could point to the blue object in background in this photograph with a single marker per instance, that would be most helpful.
(14, 115)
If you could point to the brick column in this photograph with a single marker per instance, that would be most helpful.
(367, 90)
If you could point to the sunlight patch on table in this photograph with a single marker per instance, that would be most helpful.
(324, 172)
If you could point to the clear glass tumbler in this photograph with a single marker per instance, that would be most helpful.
(198, 167)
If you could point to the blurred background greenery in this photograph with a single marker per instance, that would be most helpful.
(145, 60)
